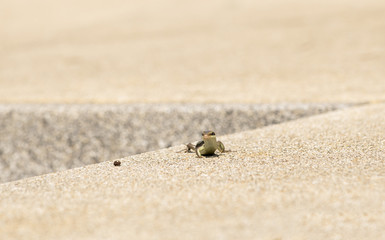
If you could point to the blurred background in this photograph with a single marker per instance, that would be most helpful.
(221, 51)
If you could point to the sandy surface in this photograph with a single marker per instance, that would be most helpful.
(317, 178)
(38, 139)
(192, 51)
(321, 177)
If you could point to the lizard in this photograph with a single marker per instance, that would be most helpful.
(207, 146)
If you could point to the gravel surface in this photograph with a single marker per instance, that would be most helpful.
(321, 177)
(38, 139)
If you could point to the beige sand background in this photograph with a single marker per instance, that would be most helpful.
(191, 51)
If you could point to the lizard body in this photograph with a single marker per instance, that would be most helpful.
(207, 146)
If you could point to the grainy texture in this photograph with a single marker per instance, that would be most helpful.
(38, 139)
(317, 178)
(86, 51)
(321, 177)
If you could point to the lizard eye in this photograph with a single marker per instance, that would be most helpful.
(212, 133)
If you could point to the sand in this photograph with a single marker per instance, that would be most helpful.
(321, 177)
(42, 138)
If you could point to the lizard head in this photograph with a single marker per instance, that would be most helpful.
(208, 134)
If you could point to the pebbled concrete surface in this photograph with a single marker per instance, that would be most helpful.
(320, 177)
(315, 178)
(38, 139)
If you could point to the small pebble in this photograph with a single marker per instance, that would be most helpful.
(116, 163)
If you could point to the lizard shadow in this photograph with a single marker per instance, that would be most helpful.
(210, 156)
